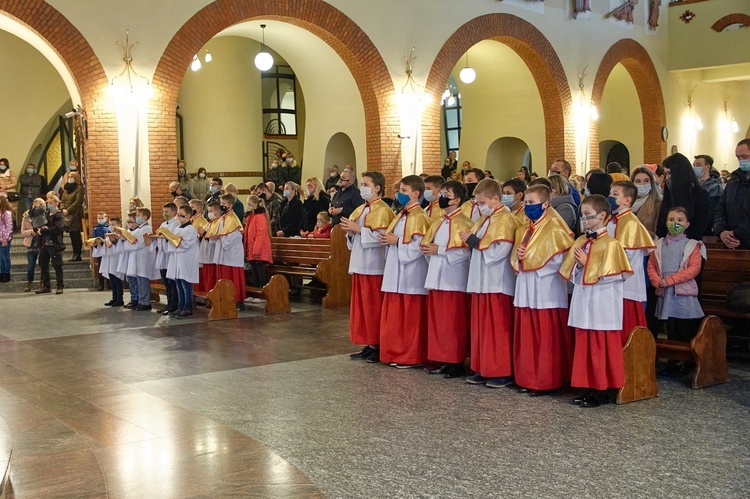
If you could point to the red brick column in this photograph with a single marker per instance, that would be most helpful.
(637, 62)
(540, 57)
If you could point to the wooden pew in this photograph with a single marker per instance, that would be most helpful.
(708, 350)
(223, 303)
(723, 269)
(639, 356)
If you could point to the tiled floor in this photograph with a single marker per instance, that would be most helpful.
(126, 404)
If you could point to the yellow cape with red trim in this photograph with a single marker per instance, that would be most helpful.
(502, 227)
(468, 207)
(606, 258)
(548, 238)
(170, 236)
(417, 223)
(630, 232)
(560, 220)
(521, 215)
(212, 228)
(434, 211)
(458, 223)
(380, 216)
(199, 222)
(231, 223)
(126, 234)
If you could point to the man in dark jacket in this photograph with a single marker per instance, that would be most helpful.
(52, 246)
(346, 199)
(732, 222)
(710, 180)
(272, 201)
(31, 185)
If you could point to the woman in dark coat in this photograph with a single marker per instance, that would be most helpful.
(290, 220)
(71, 207)
(317, 201)
(683, 189)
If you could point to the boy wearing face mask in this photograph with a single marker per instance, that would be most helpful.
(491, 285)
(597, 266)
(637, 242)
(448, 304)
(542, 340)
(672, 269)
(229, 253)
(159, 246)
(432, 186)
(363, 229)
(470, 208)
(403, 335)
(207, 251)
(110, 263)
(141, 262)
(513, 192)
(182, 256)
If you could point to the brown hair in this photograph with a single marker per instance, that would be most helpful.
(679, 209)
(542, 190)
(598, 202)
(628, 189)
(145, 212)
(489, 187)
(414, 182)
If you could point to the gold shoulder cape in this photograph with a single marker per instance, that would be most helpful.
(417, 223)
(436, 211)
(380, 215)
(468, 207)
(458, 223)
(521, 215)
(547, 239)
(199, 222)
(502, 227)
(631, 233)
(231, 223)
(606, 258)
(212, 228)
(560, 220)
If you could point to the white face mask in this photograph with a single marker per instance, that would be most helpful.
(211, 215)
(429, 196)
(643, 189)
(509, 200)
(485, 210)
(366, 193)
(202, 175)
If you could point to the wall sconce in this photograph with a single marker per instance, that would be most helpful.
(412, 93)
(730, 123)
(264, 60)
(589, 110)
(196, 64)
(128, 73)
(695, 121)
(467, 74)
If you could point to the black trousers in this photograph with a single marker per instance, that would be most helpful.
(259, 272)
(116, 284)
(76, 242)
(47, 254)
(682, 329)
(171, 286)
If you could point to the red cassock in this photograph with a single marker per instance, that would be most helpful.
(598, 362)
(448, 326)
(403, 329)
(632, 316)
(237, 276)
(542, 348)
(492, 334)
(364, 312)
(207, 276)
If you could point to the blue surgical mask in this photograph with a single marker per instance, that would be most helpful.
(508, 200)
(429, 196)
(3, 167)
(139, 220)
(287, 193)
(213, 188)
(73, 168)
(485, 210)
(643, 189)
(534, 211)
(50, 206)
(745, 165)
(402, 198)
(613, 203)
(30, 171)
(698, 170)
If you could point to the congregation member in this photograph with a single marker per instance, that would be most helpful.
(347, 198)
(542, 340)
(448, 305)
(648, 201)
(257, 243)
(316, 201)
(184, 181)
(176, 190)
(597, 266)
(323, 227)
(491, 285)
(30, 240)
(732, 223)
(238, 207)
(215, 190)
(51, 246)
(562, 167)
(333, 177)
(6, 236)
(201, 185)
(272, 203)
(562, 201)
(71, 207)
(682, 189)
(363, 229)
(449, 167)
(182, 268)
(710, 180)
(291, 212)
(403, 334)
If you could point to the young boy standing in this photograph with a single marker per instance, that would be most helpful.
(448, 304)
(110, 263)
(597, 266)
(513, 191)
(367, 263)
(141, 262)
(491, 285)
(542, 340)
(470, 208)
(432, 186)
(403, 322)
(229, 254)
(162, 256)
(182, 262)
(637, 242)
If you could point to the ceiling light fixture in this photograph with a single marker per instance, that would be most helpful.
(264, 60)
(128, 72)
(467, 74)
(196, 64)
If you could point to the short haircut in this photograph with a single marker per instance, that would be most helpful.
(115, 220)
(217, 180)
(489, 187)
(377, 179)
(458, 189)
(660, 170)
(566, 165)
(541, 181)
(705, 157)
(681, 210)
(516, 184)
(560, 184)
(131, 214)
(414, 182)
(170, 206)
(213, 205)
(598, 202)
(145, 212)
(434, 180)
(744, 142)
(476, 171)
(541, 190)
(229, 198)
(180, 200)
(423, 176)
(197, 204)
(614, 167)
(186, 210)
(263, 187)
(629, 189)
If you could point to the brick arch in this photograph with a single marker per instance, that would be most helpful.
(540, 57)
(730, 19)
(102, 159)
(638, 63)
(328, 23)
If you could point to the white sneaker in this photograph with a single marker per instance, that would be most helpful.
(254, 300)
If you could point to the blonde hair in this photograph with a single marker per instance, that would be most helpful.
(559, 184)
(317, 184)
(137, 201)
(297, 189)
(231, 188)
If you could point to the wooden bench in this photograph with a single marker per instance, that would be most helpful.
(639, 358)
(723, 269)
(708, 350)
(325, 259)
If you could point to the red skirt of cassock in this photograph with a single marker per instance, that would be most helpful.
(542, 348)
(237, 276)
(632, 316)
(364, 312)
(207, 278)
(492, 334)
(403, 329)
(598, 363)
(448, 326)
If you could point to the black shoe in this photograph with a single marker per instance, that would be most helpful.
(524, 390)
(374, 357)
(674, 369)
(476, 379)
(440, 370)
(142, 308)
(130, 304)
(43, 290)
(183, 314)
(579, 399)
(363, 354)
(110, 303)
(76, 258)
(455, 371)
(167, 311)
(117, 304)
(539, 393)
(596, 399)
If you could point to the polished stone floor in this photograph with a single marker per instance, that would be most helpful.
(129, 404)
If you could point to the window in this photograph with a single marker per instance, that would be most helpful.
(452, 118)
(279, 101)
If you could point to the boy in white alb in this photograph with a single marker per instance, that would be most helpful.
(207, 271)
(229, 253)
(183, 268)
(141, 261)
(110, 262)
(159, 247)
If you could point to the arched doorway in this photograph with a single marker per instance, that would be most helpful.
(541, 59)
(339, 151)
(615, 151)
(506, 156)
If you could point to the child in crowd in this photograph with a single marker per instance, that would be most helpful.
(513, 191)
(403, 321)
(162, 254)
(491, 285)
(432, 186)
(672, 269)
(111, 262)
(229, 255)
(30, 240)
(470, 207)
(207, 270)
(257, 243)
(635, 239)
(323, 226)
(122, 265)
(367, 262)
(182, 262)
(597, 265)
(100, 230)
(542, 340)
(447, 273)
(141, 262)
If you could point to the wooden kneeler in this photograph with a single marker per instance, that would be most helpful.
(334, 272)
(276, 294)
(639, 358)
(222, 301)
